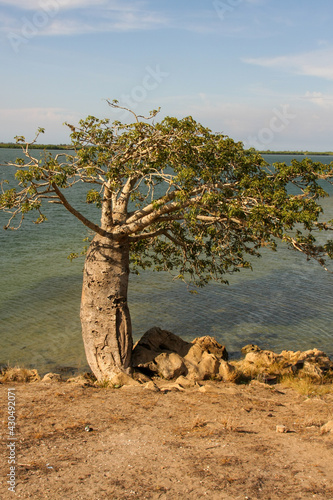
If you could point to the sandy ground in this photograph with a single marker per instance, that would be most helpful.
(216, 442)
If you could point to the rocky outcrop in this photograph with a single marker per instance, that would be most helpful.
(312, 362)
(182, 364)
(164, 354)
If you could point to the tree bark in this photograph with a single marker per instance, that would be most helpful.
(105, 318)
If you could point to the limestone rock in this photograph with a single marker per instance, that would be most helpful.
(312, 362)
(261, 357)
(227, 372)
(171, 386)
(52, 377)
(328, 427)
(185, 382)
(150, 386)
(210, 345)
(122, 379)
(194, 354)
(250, 348)
(208, 366)
(165, 354)
(168, 365)
(156, 341)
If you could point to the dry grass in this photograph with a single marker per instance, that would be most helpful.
(104, 384)
(247, 371)
(307, 386)
(229, 425)
(17, 374)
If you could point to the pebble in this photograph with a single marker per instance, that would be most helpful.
(281, 428)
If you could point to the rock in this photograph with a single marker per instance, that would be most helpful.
(250, 348)
(165, 354)
(269, 365)
(194, 354)
(328, 427)
(154, 342)
(313, 362)
(168, 365)
(261, 357)
(122, 379)
(208, 366)
(313, 369)
(210, 345)
(291, 356)
(281, 428)
(184, 382)
(204, 357)
(227, 372)
(150, 386)
(52, 377)
(171, 386)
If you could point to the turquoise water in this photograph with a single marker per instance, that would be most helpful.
(285, 303)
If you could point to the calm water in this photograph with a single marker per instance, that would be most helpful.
(285, 303)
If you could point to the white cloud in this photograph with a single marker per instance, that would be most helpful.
(319, 99)
(318, 63)
(46, 18)
(280, 125)
(52, 4)
(66, 27)
(297, 126)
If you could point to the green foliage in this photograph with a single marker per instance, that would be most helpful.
(93, 196)
(189, 201)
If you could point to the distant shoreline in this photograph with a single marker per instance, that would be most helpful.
(304, 153)
(13, 145)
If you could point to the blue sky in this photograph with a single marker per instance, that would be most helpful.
(260, 71)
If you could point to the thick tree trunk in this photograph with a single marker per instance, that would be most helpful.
(105, 318)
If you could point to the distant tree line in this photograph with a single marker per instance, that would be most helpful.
(305, 153)
(13, 145)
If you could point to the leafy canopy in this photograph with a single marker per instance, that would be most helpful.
(187, 199)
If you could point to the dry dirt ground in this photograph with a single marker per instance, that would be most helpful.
(217, 442)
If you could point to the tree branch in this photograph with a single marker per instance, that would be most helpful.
(78, 215)
(152, 217)
(151, 208)
(145, 236)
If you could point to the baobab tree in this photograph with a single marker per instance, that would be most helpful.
(173, 196)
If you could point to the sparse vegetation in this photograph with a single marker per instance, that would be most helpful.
(307, 385)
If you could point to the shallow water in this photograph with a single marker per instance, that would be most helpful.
(285, 303)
